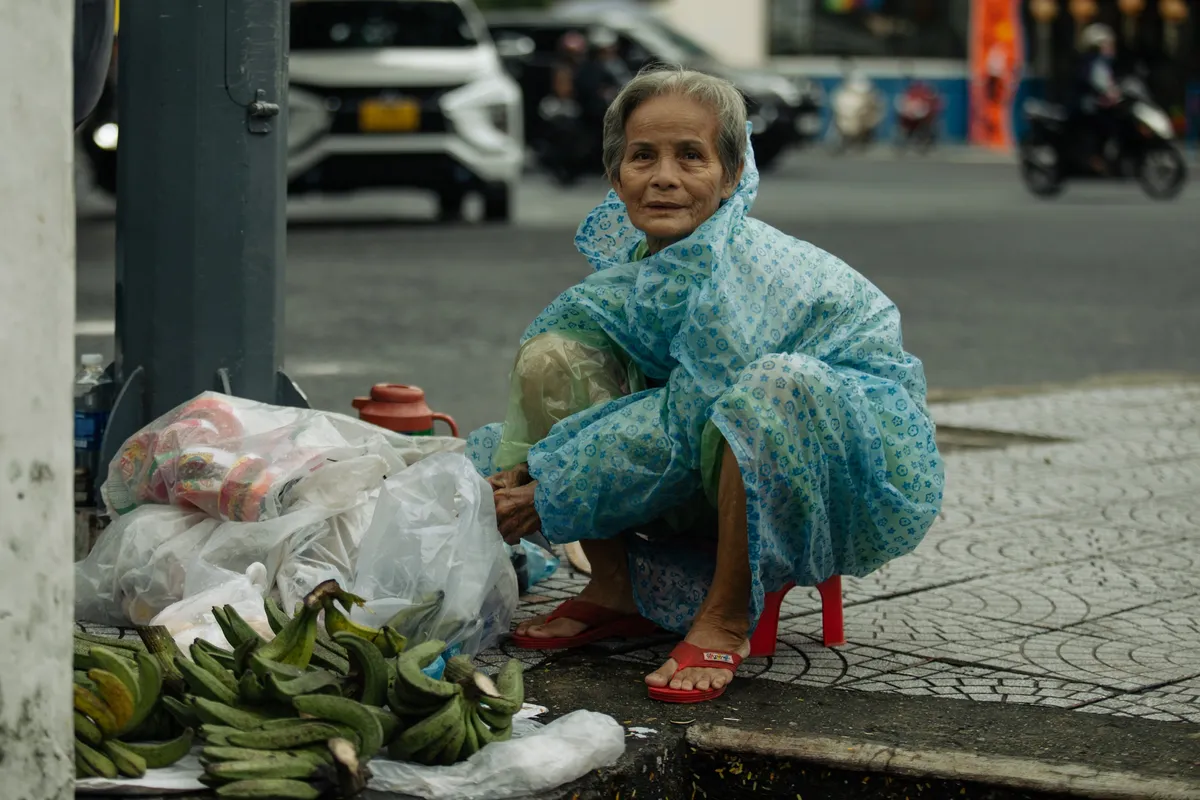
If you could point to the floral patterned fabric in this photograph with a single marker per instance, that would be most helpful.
(748, 336)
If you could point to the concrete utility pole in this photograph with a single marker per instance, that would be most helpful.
(201, 193)
(37, 304)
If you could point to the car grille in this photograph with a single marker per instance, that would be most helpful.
(342, 104)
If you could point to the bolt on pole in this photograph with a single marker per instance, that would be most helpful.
(201, 207)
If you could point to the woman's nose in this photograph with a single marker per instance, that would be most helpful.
(666, 174)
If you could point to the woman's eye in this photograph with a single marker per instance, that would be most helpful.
(692, 155)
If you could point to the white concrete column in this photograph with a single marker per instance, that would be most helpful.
(37, 307)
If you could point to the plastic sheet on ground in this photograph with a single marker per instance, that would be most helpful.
(537, 758)
(545, 758)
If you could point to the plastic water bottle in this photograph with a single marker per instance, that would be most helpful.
(93, 402)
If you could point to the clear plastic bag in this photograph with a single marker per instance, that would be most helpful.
(543, 759)
(432, 562)
(192, 618)
(245, 461)
(172, 540)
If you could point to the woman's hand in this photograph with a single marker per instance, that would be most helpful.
(515, 512)
(510, 478)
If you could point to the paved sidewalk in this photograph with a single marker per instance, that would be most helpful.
(1060, 574)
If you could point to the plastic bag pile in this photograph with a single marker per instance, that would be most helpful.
(224, 499)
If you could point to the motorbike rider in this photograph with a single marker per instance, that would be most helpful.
(1096, 92)
(600, 78)
(572, 52)
(919, 102)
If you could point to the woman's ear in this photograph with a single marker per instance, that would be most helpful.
(731, 185)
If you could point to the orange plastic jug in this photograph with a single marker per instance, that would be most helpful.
(401, 409)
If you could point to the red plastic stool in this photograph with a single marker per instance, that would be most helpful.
(833, 628)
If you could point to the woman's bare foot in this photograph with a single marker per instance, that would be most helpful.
(609, 592)
(516, 514)
(708, 632)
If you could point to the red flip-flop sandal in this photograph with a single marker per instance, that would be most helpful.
(686, 656)
(602, 623)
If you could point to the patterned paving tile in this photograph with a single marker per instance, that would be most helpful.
(982, 685)
(1182, 555)
(1178, 702)
(901, 625)
(1062, 595)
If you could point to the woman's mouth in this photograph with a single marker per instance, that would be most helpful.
(664, 206)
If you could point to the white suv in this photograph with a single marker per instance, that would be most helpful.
(405, 94)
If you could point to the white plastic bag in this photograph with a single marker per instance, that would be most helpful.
(192, 618)
(433, 547)
(561, 752)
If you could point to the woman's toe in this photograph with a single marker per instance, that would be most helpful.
(662, 676)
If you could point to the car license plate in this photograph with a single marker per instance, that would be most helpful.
(389, 116)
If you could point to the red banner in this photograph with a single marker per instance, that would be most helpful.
(997, 56)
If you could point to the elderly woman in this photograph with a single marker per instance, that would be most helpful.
(718, 411)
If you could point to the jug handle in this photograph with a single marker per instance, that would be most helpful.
(446, 418)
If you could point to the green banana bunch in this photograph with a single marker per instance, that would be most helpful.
(449, 720)
(387, 639)
(116, 706)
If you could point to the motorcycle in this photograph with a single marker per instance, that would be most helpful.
(917, 112)
(857, 113)
(565, 151)
(1142, 147)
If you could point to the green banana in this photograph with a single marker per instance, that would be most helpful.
(204, 659)
(511, 682)
(337, 622)
(158, 726)
(242, 631)
(295, 768)
(243, 653)
(269, 789)
(316, 754)
(217, 734)
(408, 620)
(369, 667)
(121, 666)
(408, 673)
(116, 696)
(494, 719)
(308, 683)
(223, 714)
(346, 712)
(471, 740)
(449, 754)
(486, 734)
(429, 730)
(87, 731)
(294, 643)
(85, 661)
(131, 646)
(389, 723)
(163, 754)
(150, 681)
(262, 667)
(251, 689)
(202, 684)
(328, 649)
(325, 658)
(276, 616)
(304, 732)
(83, 770)
(93, 706)
(127, 762)
(227, 630)
(96, 761)
(182, 712)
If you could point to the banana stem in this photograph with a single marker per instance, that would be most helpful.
(161, 644)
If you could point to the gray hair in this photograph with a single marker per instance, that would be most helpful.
(656, 80)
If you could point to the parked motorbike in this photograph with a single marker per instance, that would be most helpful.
(858, 110)
(918, 110)
(1143, 147)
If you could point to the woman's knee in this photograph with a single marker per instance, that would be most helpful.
(566, 374)
(790, 380)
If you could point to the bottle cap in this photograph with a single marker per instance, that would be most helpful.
(92, 360)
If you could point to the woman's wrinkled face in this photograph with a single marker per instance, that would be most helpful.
(671, 179)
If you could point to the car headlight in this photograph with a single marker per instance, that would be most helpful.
(105, 136)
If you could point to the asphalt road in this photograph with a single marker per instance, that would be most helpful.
(995, 288)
